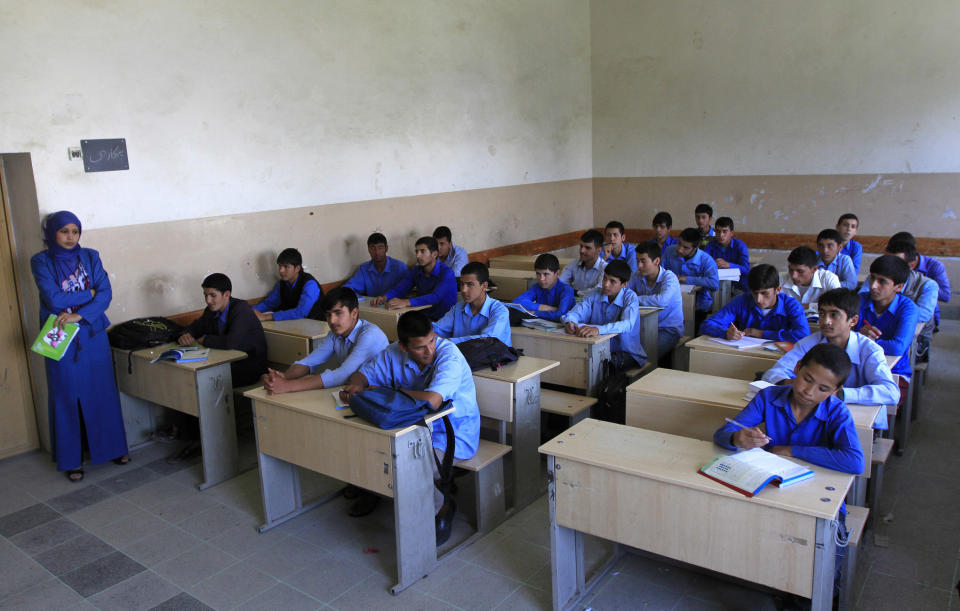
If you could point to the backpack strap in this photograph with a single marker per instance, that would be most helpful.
(446, 467)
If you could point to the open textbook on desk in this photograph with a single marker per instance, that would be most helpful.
(749, 471)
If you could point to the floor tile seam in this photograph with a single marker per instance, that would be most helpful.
(296, 589)
(507, 597)
(513, 577)
(147, 569)
(194, 586)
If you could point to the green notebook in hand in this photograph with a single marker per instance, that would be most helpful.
(52, 342)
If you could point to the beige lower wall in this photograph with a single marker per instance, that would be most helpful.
(157, 268)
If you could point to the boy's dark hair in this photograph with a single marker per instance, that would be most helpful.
(413, 324)
(891, 266)
(217, 281)
(342, 295)
(903, 236)
(831, 357)
(545, 261)
(594, 236)
(846, 216)
(763, 276)
(908, 250)
(443, 232)
(652, 250)
(803, 255)
(616, 225)
(376, 238)
(845, 299)
(704, 207)
(619, 269)
(830, 234)
(290, 256)
(690, 235)
(663, 218)
(724, 221)
(477, 269)
(430, 243)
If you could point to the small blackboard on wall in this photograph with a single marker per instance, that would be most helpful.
(105, 155)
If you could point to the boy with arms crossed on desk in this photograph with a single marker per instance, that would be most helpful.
(479, 315)
(727, 251)
(549, 298)
(380, 274)
(616, 240)
(828, 242)
(435, 284)
(847, 226)
(806, 281)
(296, 295)
(451, 255)
(433, 369)
(659, 288)
(921, 290)
(764, 312)
(931, 268)
(693, 266)
(611, 309)
(586, 273)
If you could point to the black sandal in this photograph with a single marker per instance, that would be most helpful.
(75, 475)
(122, 460)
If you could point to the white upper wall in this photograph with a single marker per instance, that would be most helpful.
(232, 106)
(747, 87)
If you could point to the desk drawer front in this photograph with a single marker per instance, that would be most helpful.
(728, 365)
(159, 383)
(285, 349)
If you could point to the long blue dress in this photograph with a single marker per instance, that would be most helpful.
(83, 380)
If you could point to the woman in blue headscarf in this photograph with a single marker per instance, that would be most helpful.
(84, 402)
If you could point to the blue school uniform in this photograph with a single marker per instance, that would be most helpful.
(736, 254)
(621, 316)
(628, 254)
(667, 241)
(582, 278)
(853, 250)
(935, 270)
(437, 289)
(449, 376)
(663, 293)
(785, 322)
(368, 281)
(561, 296)
(308, 299)
(345, 355)
(700, 270)
(460, 323)
(455, 259)
(897, 325)
(842, 266)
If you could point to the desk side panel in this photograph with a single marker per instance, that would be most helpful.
(286, 349)
(494, 398)
(509, 289)
(741, 367)
(676, 416)
(572, 357)
(160, 383)
(386, 320)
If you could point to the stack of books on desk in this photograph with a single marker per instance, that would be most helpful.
(756, 387)
(184, 354)
(539, 323)
(730, 273)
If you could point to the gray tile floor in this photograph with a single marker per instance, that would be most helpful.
(142, 537)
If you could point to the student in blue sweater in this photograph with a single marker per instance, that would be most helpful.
(435, 283)
(615, 245)
(693, 266)
(549, 298)
(847, 226)
(478, 315)
(727, 251)
(764, 312)
(296, 295)
(662, 223)
(659, 288)
(831, 259)
(703, 215)
(380, 274)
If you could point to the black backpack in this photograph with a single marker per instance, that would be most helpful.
(483, 352)
(143, 333)
(612, 393)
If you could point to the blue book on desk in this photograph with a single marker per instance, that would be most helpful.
(749, 471)
(184, 354)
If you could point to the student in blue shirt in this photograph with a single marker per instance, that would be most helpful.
(479, 315)
(549, 298)
(586, 273)
(611, 309)
(349, 344)
(703, 215)
(828, 243)
(806, 282)
(659, 288)
(616, 241)
(920, 289)
(434, 282)
(870, 381)
(380, 274)
(433, 369)
(451, 255)
(727, 251)
(693, 266)
(297, 295)
(662, 223)
(931, 268)
(847, 226)
(764, 312)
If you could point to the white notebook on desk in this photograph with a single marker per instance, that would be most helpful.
(743, 343)
(730, 273)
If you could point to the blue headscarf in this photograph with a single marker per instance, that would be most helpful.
(65, 260)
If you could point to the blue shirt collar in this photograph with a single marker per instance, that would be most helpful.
(484, 309)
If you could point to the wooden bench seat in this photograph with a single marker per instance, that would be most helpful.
(856, 525)
(484, 502)
(571, 406)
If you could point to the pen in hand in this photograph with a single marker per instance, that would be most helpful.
(748, 428)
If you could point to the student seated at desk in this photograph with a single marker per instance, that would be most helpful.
(380, 274)
(616, 241)
(693, 266)
(479, 315)
(662, 223)
(847, 226)
(435, 283)
(585, 274)
(350, 343)
(727, 251)
(703, 216)
(611, 309)
(229, 323)
(764, 312)
(870, 381)
(659, 288)
(806, 282)
(828, 243)
(296, 295)
(549, 298)
(430, 368)
(451, 255)
(931, 268)
(921, 290)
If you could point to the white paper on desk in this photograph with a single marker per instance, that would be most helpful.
(730, 273)
(743, 343)
(337, 401)
(688, 288)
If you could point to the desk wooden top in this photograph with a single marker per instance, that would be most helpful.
(319, 403)
(647, 311)
(560, 336)
(675, 460)
(216, 357)
(524, 367)
(301, 327)
(499, 272)
(703, 342)
(689, 288)
(522, 261)
(365, 306)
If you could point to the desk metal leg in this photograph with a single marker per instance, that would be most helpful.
(858, 492)
(527, 481)
(566, 552)
(413, 510)
(823, 565)
(596, 353)
(218, 428)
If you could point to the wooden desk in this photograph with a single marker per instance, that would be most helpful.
(580, 357)
(511, 396)
(688, 297)
(522, 262)
(305, 429)
(641, 488)
(384, 318)
(203, 389)
(289, 341)
(712, 358)
(650, 332)
(511, 283)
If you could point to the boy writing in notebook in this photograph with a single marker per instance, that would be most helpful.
(828, 242)
(296, 295)
(931, 268)
(847, 226)
(479, 315)
(659, 288)
(727, 251)
(451, 255)
(662, 222)
(434, 282)
(765, 312)
(693, 266)
(703, 215)
(616, 241)
(806, 282)
(380, 274)
(586, 273)
(550, 298)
